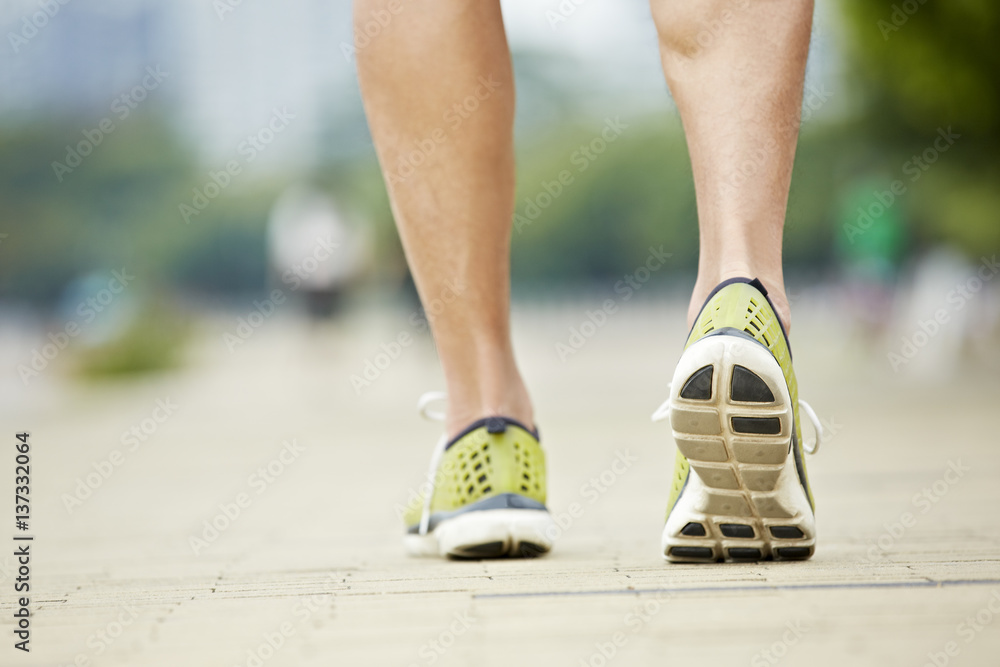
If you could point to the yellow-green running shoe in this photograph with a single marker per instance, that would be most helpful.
(740, 490)
(484, 496)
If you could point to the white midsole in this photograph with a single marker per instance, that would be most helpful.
(510, 526)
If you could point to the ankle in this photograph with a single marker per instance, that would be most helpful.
(487, 395)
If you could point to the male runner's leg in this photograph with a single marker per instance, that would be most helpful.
(439, 94)
(735, 69)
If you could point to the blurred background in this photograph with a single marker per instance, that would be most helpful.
(176, 176)
(199, 269)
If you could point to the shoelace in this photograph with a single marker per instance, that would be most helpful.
(663, 413)
(423, 407)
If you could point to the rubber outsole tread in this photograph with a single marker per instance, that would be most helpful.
(737, 443)
(794, 553)
(495, 550)
(736, 530)
(477, 551)
(786, 532)
(701, 553)
(757, 425)
(694, 530)
(699, 386)
(744, 553)
(748, 387)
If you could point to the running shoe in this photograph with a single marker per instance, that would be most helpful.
(484, 496)
(739, 490)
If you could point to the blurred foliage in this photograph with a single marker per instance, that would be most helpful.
(640, 193)
(917, 67)
(120, 207)
(114, 209)
(919, 64)
(913, 68)
(611, 206)
(153, 341)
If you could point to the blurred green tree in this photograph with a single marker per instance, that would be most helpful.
(920, 67)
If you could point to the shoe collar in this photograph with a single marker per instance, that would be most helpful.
(495, 424)
(757, 285)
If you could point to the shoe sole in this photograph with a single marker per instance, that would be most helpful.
(496, 533)
(732, 418)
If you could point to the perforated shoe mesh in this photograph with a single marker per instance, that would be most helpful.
(473, 474)
(483, 464)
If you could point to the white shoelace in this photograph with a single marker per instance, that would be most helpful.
(663, 413)
(423, 407)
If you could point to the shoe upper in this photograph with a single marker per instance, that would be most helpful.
(493, 456)
(741, 307)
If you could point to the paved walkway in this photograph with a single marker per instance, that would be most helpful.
(304, 566)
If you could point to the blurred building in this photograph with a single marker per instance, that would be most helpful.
(229, 65)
